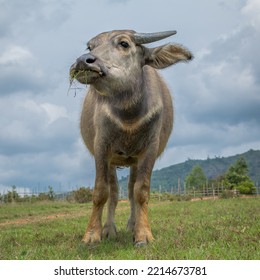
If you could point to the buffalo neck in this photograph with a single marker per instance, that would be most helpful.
(129, 104)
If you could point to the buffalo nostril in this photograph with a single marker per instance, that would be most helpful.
(90, 59)
(85, 59)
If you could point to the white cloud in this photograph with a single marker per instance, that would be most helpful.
(252, 11)
(15, 55)
(54, 112)
(31, 126)
(20, 70)
(202, 53)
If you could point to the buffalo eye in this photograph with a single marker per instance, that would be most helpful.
(124, 44)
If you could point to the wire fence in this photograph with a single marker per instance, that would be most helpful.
(179, 192)
(36, 193)
(213, 191)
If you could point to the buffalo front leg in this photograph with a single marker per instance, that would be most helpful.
(100, 196)
(109, 229)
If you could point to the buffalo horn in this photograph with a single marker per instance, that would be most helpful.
(145, 38)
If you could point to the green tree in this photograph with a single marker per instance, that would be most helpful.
(196, 178)
(11, 196)
(51, 193)
(237, 177)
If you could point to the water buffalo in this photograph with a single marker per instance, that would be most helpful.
(126, 120)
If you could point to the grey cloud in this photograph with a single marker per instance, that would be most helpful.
(20, 71)
(219, 135)
(217, 98)
(27, 129)
(19, 80)
(239, 49)
(32, 17)
(47, 169)
(223, 86)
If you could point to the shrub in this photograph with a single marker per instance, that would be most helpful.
(246, 187)
(180, 197)
(229, 194)
(42, 196)
(82, 195)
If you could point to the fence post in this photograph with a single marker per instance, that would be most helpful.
(213, 191)
(179, 185)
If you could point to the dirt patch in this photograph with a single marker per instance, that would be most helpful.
(36, 219)
(40, 219)
(205, 198)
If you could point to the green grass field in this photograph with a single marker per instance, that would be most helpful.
(213, 229)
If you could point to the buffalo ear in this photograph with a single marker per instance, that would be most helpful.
(166, 55)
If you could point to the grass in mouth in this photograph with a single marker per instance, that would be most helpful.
(73, 85)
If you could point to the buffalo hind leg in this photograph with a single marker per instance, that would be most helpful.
(131, 183)
(142, 230)
(109, 229)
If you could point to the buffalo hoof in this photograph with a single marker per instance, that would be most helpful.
(140, 244)
(91, 237)
(109, 231)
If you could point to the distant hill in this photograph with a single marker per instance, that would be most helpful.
(168, 177)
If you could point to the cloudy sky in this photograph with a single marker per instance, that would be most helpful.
(216, 96)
